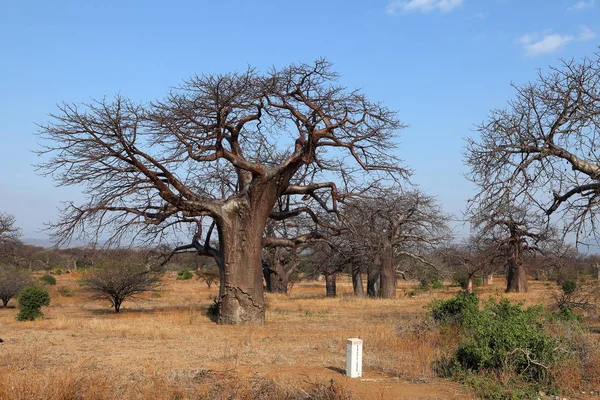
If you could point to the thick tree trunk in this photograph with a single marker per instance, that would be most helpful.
(373, 281)
(5, 302)
(388, 274)
(241, 294)
(276, 276)
(357, 282)
(516, 278)
(330, 285)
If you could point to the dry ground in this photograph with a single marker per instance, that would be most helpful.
(168, 348)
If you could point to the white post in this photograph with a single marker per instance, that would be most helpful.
(354, 357)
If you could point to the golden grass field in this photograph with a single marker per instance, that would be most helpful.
(167, 348)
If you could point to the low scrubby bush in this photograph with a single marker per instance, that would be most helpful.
(437, 284)
(184, 275)
(31, 300)
(507, 338)
(453, 310)
(48, 279)
(499, 340)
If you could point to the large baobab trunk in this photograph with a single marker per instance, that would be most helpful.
(388, 274)
(357, 283)
(241, 295)
(373, 281)
(330, 285)
(516, 278)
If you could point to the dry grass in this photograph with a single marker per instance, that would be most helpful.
(167, 348)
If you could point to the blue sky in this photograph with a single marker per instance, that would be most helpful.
(442, 64)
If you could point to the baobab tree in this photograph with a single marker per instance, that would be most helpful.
(217, 153)
(512, 233)
(542, 149)
(394, 224)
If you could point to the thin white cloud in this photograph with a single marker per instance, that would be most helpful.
(481, 15)
(537, 45)
(586, 33)
(582, 5)
(398, 7)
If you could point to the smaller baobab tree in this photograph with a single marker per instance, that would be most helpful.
(514, 233)
(395, 224)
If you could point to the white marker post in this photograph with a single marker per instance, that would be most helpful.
(354, 358)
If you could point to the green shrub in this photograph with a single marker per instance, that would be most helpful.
(454, 310)
(31, 300)
(48, 279)
(437, 284)
(569, 286)
(184, 275)
(58, 271)
(505, 337)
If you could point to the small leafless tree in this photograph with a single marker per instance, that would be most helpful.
(119, 280)
(12, 281)
(542, 150)
(217, 154)
(9, 238)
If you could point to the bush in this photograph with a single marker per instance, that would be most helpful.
(213, 309)
(31, 300)
(437, 284)
(48, 279)
(507, 338)
(573, 296)
(454, 310)
(58, 271)
(184, 275)
(569, 286)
